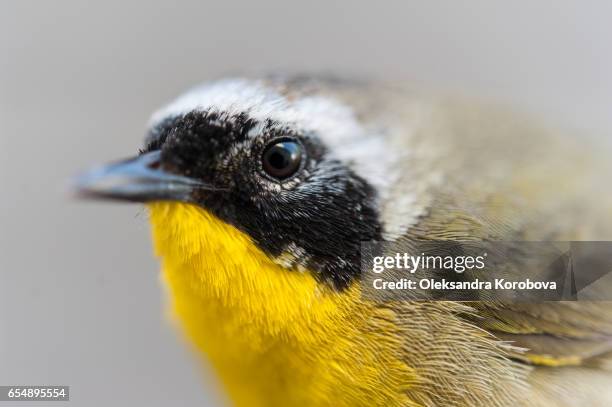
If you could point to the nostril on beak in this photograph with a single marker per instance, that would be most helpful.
(154, 165)
(151, 160)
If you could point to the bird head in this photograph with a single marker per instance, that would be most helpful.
(256, 188)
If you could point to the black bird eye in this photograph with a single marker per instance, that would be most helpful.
(282, 159)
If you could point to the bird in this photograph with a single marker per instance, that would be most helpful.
(261, 190)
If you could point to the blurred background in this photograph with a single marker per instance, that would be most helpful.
(80, 301)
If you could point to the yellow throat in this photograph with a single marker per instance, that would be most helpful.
(276, 337)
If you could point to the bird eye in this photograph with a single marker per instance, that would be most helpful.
(282, 159)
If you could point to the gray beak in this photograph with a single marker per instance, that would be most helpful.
(138, 179)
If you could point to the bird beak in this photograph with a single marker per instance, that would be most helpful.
(138, 179)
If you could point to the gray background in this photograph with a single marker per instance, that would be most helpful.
(80, 302)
